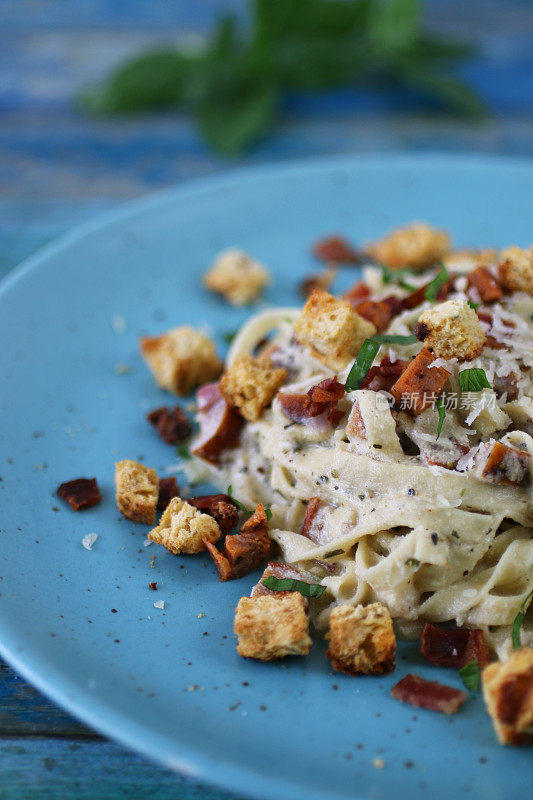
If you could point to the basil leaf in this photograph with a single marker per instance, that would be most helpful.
(437, 283)
(229, 336)
(183, 452)
(293, 585)
(367, 354)
(519, 619)
(439, 405)
(268, 513)
(475, 306)
(237, 502)
(473, 380)
(395, 276)
(470, 675)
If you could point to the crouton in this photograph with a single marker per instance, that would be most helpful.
(467, 258)
(361, 640)
(451, 330)
(508, 693)
(181, 359)
(419, 384)
(331, 329)
(237, 277)
(416, 246)
(250, 385)
(516, 269)
(184, 529)
(272, 626)
(137, 491)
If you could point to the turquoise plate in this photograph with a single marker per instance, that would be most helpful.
(81, 625)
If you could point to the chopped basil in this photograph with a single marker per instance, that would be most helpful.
(439, 405)
(293, 585)
(412, 562)
(396, 276)
(470, 675)
(268, 513)
(475, 306)
(183, 452)
(519, 619)
(367, 354)
(473, 380)
(229, 336)
(437, 283)
(237, 502)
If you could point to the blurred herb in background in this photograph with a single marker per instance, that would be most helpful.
(234, 86)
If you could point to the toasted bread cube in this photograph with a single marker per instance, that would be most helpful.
(181, 359)
(508, 693)
(137, 491)
(451, 330)
(183, 528)
(416, 246)
(516, 269)
(331, 329)
(361, 640)
(466, 259)
(250, 384)
(272, 626)
(237, 277)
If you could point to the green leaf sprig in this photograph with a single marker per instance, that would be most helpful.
(473, 380)
(437, 283)
(396, 276)
(439, 405)
(519, 620)
(470, 675)
(293, 585)
(367, 354)
(243, 508)
(235, 85)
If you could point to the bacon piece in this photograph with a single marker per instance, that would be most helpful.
(377, 312)
(220, 425)
(419, 295)
(80, 493)
(311, 512)
(383, 376)
(508, 384)
(221, 507)
(168, 488)
(419, 383)
(354, 295)
(320, 399)
(243, 551)
(336, 249)
(486, 285)
(504, 464)
(280, 570)
(321, 280)
(428, 694)
(171, 424)
(454, 648)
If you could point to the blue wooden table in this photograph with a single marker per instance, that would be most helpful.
(58, 168)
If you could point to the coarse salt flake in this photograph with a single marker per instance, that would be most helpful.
(89, 540)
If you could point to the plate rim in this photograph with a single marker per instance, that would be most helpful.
(42, 674)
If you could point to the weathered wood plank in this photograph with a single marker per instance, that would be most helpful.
(55, 769)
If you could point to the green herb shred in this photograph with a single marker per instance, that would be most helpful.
(439, 405)
(437, 283)
(367, 354)
(293, 585)
(470, 675)
(183, 452)
(519, 619)
(473, 380)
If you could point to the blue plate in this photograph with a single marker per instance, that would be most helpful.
(81, 625)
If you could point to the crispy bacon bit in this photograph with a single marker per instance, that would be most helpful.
(311, 512)
(321, 280)
(153, 586)
(320, 399)
(80, 493)
(280, 570)
(243, 551)
(336, 249)
(504, 464)
(171, 424)
(486, 285)
(491, 341)
(419, 295)
(508, 384)
(220, 425)
(428, 694)
(221, 507)
(168, 488)
(383, 376)
(454, 648)
(377, 312)
(419, 383)
(356, 293)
